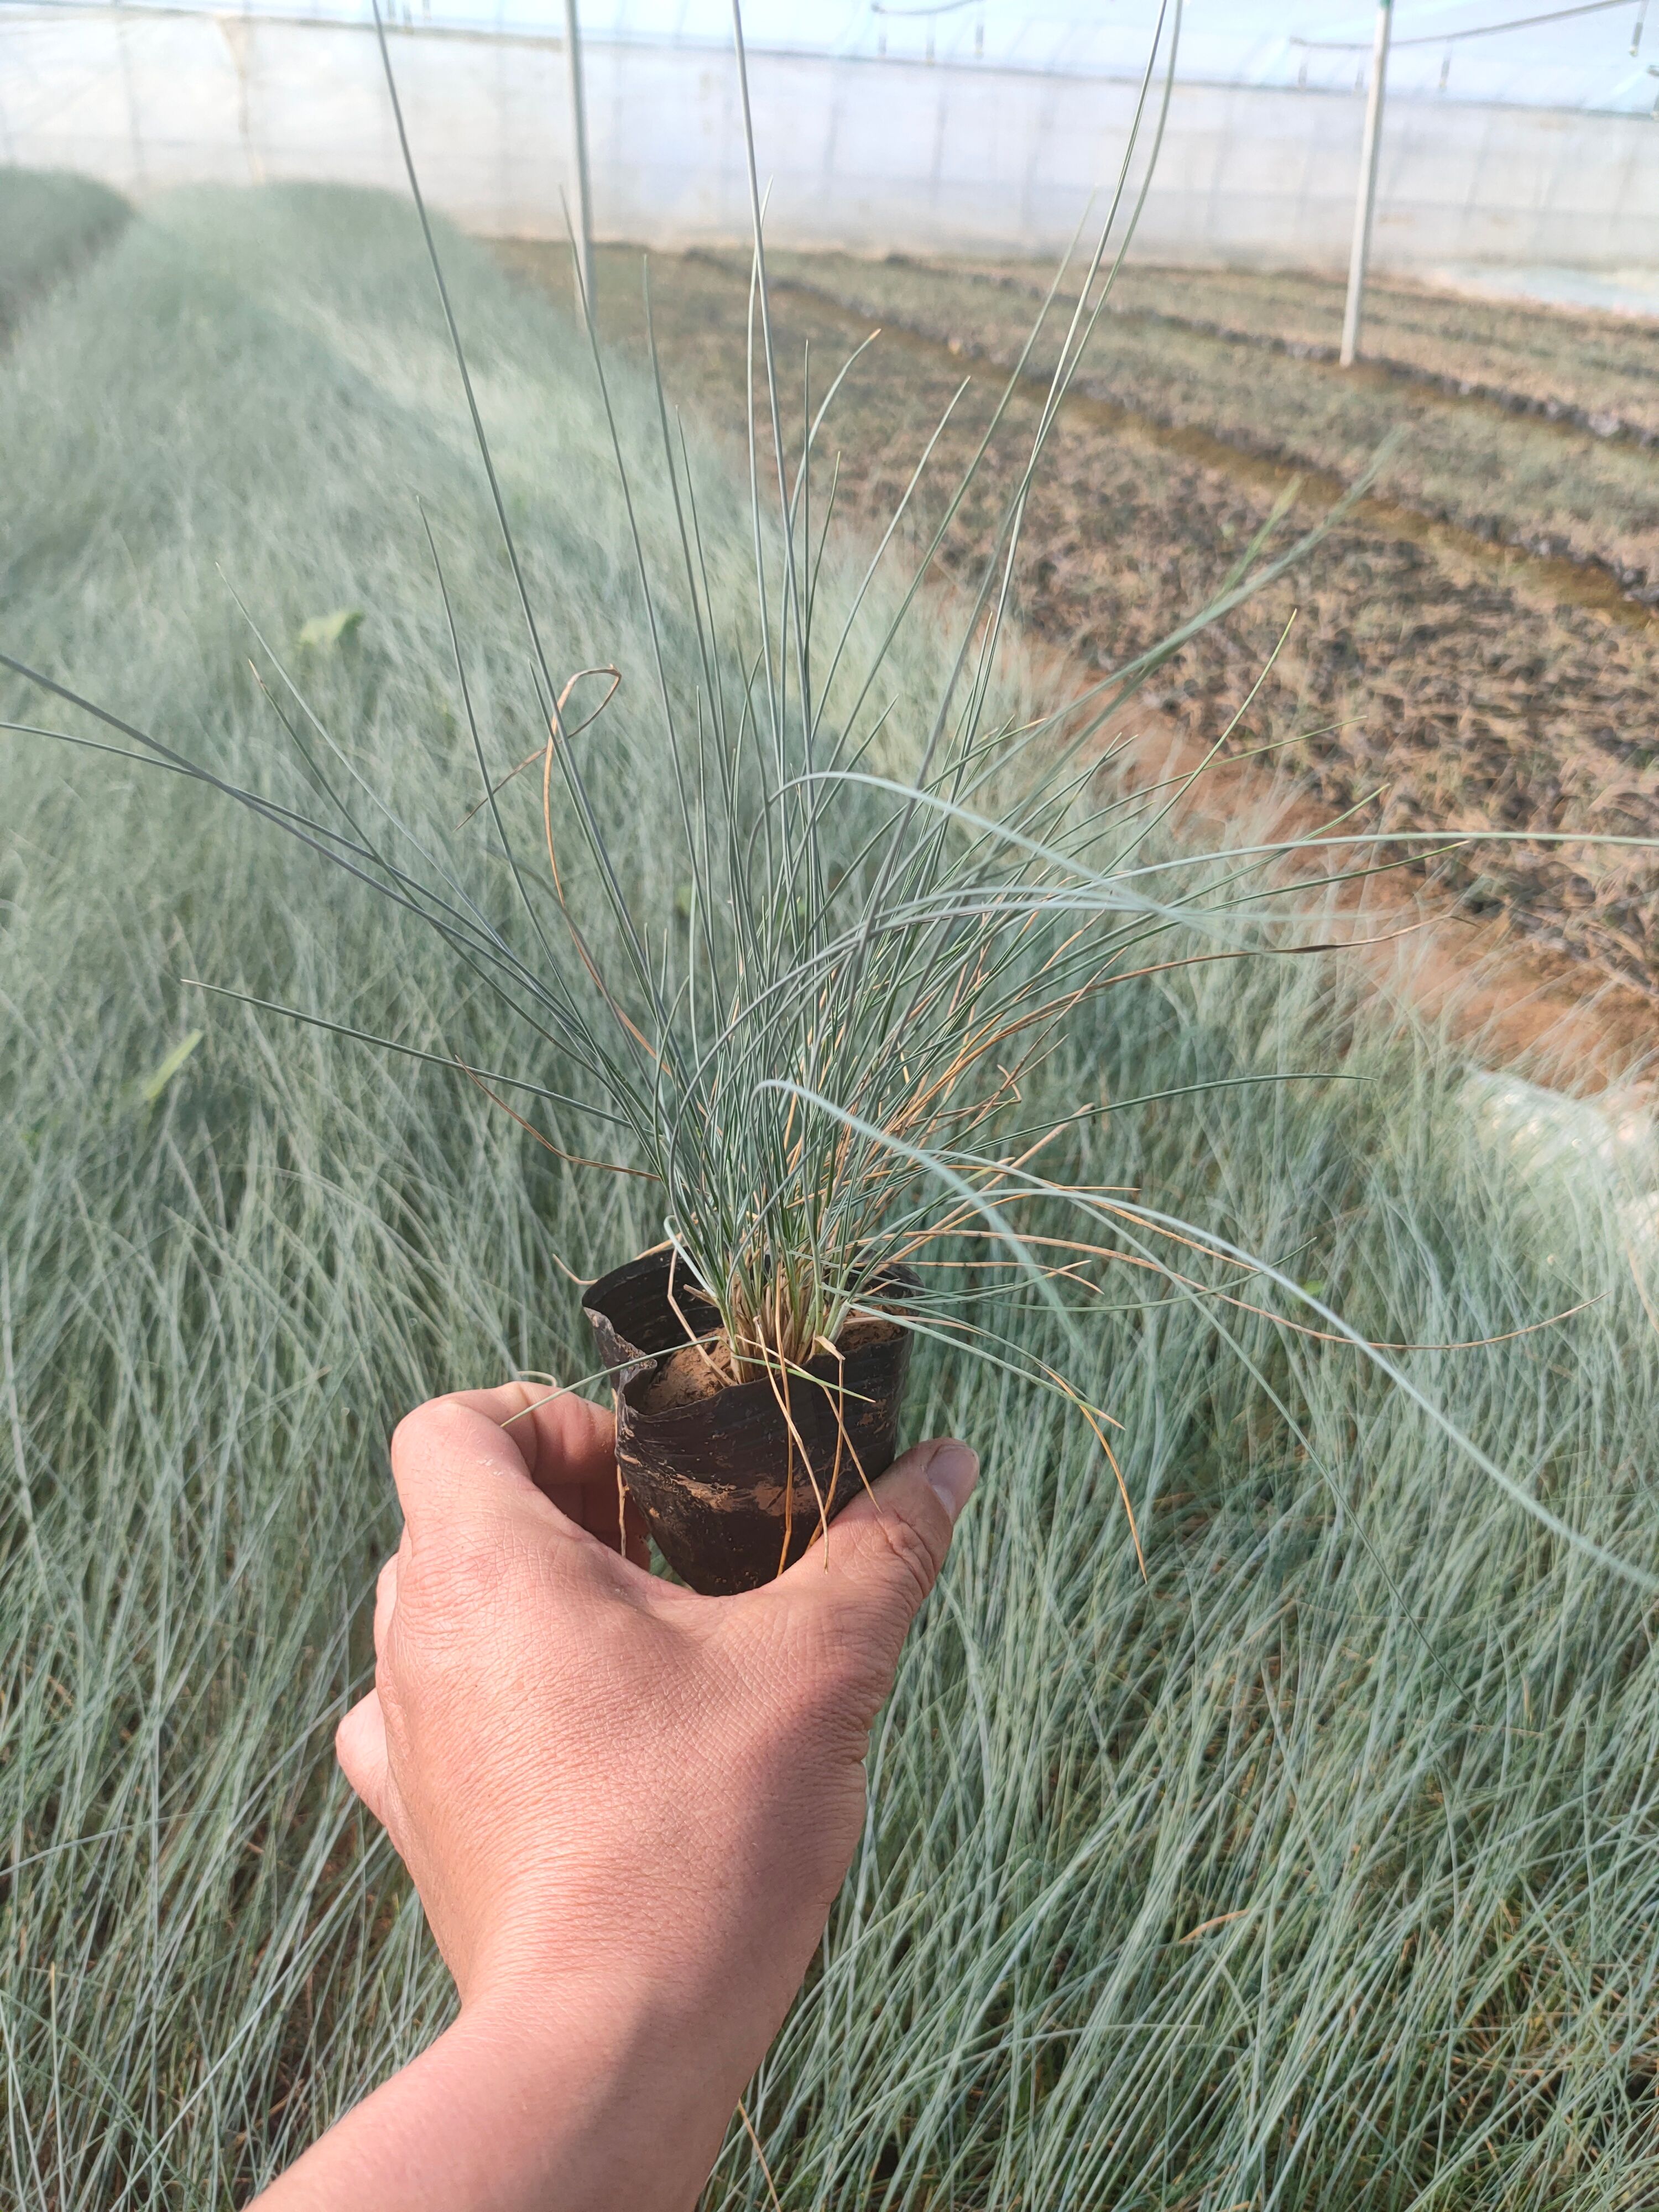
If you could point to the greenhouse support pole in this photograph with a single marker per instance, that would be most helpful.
(580, 210)
(1366, 204)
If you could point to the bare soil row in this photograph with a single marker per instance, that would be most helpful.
(1418, 676)
(1548, 486)
(1599, 371)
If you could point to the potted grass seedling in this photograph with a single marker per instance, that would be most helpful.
(817, 1062)
(813, 1069)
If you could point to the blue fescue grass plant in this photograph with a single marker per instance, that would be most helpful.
(819, 1061)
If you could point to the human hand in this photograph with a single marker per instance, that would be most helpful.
(627, 1809)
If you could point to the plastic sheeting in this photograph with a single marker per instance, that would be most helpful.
(872, 155)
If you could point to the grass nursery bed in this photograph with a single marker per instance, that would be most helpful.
(1314, 1864)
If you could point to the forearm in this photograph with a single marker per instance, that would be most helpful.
(521, 2108)
(591, 1746)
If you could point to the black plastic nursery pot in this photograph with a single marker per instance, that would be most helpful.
(719, 1473)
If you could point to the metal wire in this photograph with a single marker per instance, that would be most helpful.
(1476, 30)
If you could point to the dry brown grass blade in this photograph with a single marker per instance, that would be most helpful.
(771, 2186)
(530, 758)
(576, 1160)
(1087, 1410)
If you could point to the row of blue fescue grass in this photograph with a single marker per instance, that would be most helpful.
(53, 221)
(1317, 1865)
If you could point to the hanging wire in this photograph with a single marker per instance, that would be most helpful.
(1475, 31)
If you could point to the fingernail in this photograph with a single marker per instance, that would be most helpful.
(951, 1473)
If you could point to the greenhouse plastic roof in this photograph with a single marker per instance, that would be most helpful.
(1601, 54)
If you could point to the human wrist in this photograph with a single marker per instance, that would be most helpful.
(604, 2092)
(539, 2094)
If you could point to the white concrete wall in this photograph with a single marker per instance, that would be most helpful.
(860, 153)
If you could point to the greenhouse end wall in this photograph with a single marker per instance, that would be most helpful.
(869, 155)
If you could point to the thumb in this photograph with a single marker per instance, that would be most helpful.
(360, 1746)
(882, 1556)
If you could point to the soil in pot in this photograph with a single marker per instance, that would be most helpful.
(716, 1466)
